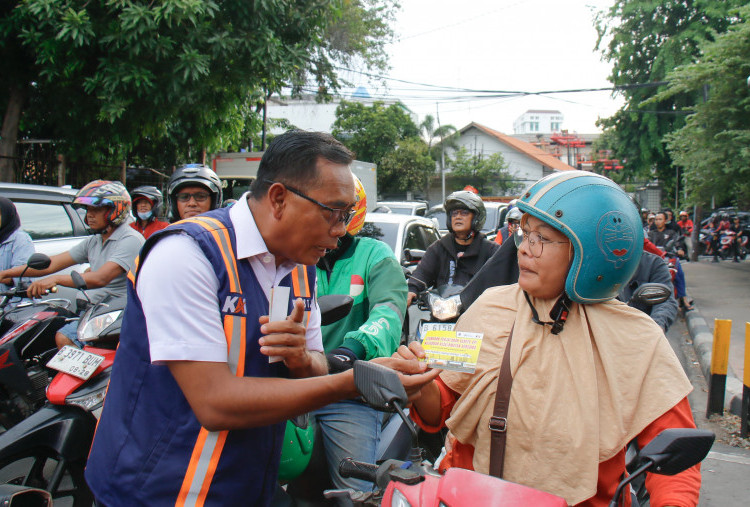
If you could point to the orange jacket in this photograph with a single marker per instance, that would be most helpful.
(680, 490)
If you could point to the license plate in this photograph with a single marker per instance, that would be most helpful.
(76, 362)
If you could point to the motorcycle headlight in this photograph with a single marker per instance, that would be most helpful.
(90, 328)
(445, 308)
(88, 401)
(399, 500)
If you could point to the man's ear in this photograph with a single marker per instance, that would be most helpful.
(277, 195)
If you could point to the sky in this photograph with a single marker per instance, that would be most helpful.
(498, 45)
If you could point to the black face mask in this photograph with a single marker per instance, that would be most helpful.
(9, 221)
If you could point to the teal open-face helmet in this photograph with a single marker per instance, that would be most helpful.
(602, 224)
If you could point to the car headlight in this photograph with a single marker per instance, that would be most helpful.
(445, 308)
(90, 328)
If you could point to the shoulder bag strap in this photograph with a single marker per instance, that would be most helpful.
(498, 421)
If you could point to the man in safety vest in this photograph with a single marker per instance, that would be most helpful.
(203, 382)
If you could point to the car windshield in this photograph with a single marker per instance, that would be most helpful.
(440, 217)
(489, 224)
(383, 231)
(401, 210)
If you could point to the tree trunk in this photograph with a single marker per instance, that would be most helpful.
(9, 133)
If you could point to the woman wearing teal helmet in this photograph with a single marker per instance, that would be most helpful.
(588, 373)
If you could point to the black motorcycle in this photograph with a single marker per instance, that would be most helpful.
(27, 342)
(48, 450)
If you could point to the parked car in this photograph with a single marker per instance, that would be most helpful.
(47, 214)
(418, 208)
(401, 233)
(495, 217)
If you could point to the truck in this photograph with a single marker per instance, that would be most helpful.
(238, 170)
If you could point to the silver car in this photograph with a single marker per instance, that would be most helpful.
(48, 216)
(403, 233)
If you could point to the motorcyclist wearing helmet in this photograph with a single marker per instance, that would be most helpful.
(457, 256)
(147, 202)
(193, 189)
(110, 251)
(513, 219)
(367, 270)
(589, 373)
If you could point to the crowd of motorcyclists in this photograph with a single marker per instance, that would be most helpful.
(175, 404)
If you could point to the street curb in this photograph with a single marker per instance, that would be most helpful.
(703, 340)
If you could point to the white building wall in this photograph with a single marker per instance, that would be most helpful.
(304, 114)
(538, 122)
(524, 169)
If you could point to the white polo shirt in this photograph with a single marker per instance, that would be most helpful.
(178, 291)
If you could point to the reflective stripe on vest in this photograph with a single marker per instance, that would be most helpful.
(208, 446)
(301, 287)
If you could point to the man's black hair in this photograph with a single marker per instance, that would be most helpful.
(292, 157)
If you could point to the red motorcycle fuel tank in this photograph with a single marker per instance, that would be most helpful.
(461, 487)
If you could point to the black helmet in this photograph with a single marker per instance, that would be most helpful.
(463, 199)
(153, 194)
(193, 174)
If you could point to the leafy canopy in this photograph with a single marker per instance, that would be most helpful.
(166, 80)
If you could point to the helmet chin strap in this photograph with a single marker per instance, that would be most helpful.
(558, 314)
(469, 235)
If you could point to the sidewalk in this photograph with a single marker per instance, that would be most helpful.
(720, 291)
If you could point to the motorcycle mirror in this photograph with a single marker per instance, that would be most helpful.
(412, 256)
(379, 386)
(674, 450)
(651, 294)
(334, 307)
(78, 280)
(38, 261)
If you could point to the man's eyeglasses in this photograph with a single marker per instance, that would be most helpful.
(536, 243)
(335, 215)
(460, 213)
(198, 196)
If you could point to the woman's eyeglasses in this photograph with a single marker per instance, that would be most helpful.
(535, 240)
(460, 213)
(335, 215)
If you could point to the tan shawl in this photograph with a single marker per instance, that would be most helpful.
(578, 397)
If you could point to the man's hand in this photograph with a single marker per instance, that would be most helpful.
(6, 279)
(286, 338)
(410, 298)
(41, 287)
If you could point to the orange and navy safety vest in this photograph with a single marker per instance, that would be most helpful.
(149, 448)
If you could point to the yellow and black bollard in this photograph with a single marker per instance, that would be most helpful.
(717, 384)
(745, 419)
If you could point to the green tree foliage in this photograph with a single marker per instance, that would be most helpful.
(372, 131)
(714, 145)
(488, 174)
(163, 81)
(645, 40)
(408, 167)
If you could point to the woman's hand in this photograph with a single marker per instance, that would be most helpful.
(413, 374)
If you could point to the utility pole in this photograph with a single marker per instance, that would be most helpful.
(442, 152)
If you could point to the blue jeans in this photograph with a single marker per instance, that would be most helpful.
(70, 330)
(350, 430)
(679, 281)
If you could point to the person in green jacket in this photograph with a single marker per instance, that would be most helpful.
(367, 270)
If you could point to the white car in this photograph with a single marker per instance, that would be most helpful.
(495, 217)
(401, 233)
(418, 208)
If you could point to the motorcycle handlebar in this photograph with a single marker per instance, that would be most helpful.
(358, 469)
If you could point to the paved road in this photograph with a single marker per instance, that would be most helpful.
(726, 470)
(722, 291)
